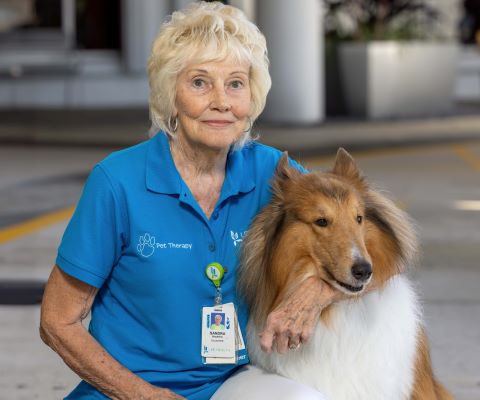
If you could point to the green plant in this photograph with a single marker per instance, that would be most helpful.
(380, 19)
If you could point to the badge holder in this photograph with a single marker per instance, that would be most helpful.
(221, 335)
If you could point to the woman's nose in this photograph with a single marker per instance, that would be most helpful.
(220, 100)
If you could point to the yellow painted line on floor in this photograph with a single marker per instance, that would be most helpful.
(24, 228)
(15, 231)
(329, 159)
(467, 155)
(382, 152)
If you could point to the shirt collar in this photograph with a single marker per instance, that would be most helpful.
(162, 175)
(238, 175)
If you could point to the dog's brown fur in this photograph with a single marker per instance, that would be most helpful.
(285, 245)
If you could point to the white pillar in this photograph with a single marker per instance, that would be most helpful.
(141, 21)
(247, 6)
(294, 32)
(181, 4)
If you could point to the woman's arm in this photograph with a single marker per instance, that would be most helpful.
(66, 302)
(294, 320)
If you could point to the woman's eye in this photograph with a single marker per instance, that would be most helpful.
(236, 84)
(323, 222)
(359, 219)
(198, 83)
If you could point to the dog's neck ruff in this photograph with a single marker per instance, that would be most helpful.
(367, 351)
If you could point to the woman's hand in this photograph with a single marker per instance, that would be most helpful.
(294, 320)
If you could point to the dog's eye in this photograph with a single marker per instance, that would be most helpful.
(359, 219)
(321, 222)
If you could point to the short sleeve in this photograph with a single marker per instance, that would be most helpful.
(297, 165)
(93, 240)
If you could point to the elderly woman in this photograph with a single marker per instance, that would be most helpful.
(153, 216)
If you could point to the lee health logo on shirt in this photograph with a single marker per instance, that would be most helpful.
(237, 237)
(147, 245)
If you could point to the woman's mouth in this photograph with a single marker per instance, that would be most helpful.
(218, 123)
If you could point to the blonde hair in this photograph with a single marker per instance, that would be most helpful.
(205, 32)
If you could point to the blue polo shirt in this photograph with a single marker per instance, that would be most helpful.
(139, 236)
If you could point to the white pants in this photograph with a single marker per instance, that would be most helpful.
(253, 383)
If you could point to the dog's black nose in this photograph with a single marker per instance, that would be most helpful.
(362, 270)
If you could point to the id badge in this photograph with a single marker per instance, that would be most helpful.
(221, 335)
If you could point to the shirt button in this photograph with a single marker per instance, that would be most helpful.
(215, 215)
(211, 247)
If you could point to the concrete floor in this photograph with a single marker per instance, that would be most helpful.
(427, 181)
(34, 181)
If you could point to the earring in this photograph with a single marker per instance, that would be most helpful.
(169, 124)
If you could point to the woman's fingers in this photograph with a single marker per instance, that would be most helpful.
(266, 340)
(281, 343)
(293, 322)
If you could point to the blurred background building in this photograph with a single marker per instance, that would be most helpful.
(73, 88)
(87, 54)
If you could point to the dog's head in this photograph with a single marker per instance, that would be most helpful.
(328, 224)
(326, 211)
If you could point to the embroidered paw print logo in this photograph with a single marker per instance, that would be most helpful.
(146, 245)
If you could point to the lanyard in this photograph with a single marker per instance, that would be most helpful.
(215, 272)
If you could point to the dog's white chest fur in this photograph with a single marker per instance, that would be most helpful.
(367, 351)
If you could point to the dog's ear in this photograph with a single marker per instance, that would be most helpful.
(346, 167)
(285, 171)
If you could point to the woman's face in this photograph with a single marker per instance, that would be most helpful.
(212, 103)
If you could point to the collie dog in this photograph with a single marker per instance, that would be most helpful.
(370, 346)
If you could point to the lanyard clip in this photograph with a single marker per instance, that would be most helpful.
(215, 272)
(218, 296)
